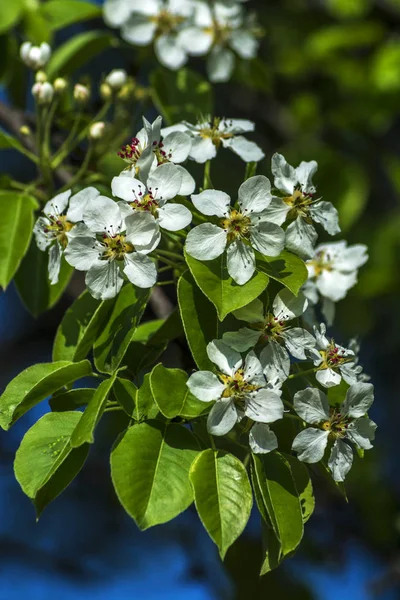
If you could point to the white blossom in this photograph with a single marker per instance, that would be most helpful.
(108, 247)
(345, 425)
(58, 224)
(240, 232)
(239, 388)
(210, 134)
(35, 57)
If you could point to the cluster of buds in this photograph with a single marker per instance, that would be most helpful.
(43, 92)
(35, 57)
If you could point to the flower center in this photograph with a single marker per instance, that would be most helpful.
(146, 202)
(236, 386)
(58, 228)
(221, 33)
(270, 329)
(237, 225)
(333, 357)
(131, 152)
(115, 247)
(161, 155)
(299, 203)
(337, 424)
(166, 22)
(321, 262)
(211, 130)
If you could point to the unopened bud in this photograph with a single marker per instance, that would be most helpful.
(59, 85)
(40, 77)
(96, 130)
(25, 130)
(81, 93)
(35, 57)
(105, 91)
(116, 79)
(127, 91)
(43, 92)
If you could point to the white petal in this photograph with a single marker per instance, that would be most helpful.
(267, 238)
(264, 407)
(236, 126)
(82, 252)
(301, 238)
(255, 194)
(335, 285)
(55, 254)
(327, 215)
(165, 181)
(58, 204)
(43, 240)
(188, 184)
(141, 228)
(78, 202)
(177, 146)
(327, 377)
(127, 188)
(212, 202)
(227, 360)
(352, 257)
(276, 212)
(241, 262)
(138, 30)
(261, 439)
(220, 64)
(102, 214)
(359, 399)
(241, 340)
(195, 41)
(202, 150)
(310, 444)
(340, 460)
(311, 405)
(251, 313)
(116, 12)
(206, 241)
(104, 280)
(222, 417)
(253, 371)
(275, 361)
(169, 52)
(140, 270)
(304, 173)
(285, 175)
(178, 127)
(205, 385)
(297, 340)
(174, 217)
(244, 43)
(350, 372)
(287, 306)
(247, 150)
(361, 432)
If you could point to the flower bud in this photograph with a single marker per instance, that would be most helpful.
(96, 130)
(43, 92)
(59, 85)
(116, 79)
(81, 93)
(105, 91)
(35, 57)
(25, 130)
(128, 90)
(40, 77)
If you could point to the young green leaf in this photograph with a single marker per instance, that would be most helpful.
(84, 431)
(150, 466)
(172, 395)
(61, 13)
(32, 281)
(112, 343)
(10, 13)
(80, 326)
(287, 268)
(280, 500)
(45, 464)
(16, 224)
(8, 141)
(213, 279)
(222, 495)
(35, 384)
(271, 549)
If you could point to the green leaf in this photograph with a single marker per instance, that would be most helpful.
(10, 13)
(287, 268)
(146, 330)
(200, 320)
(271, 549)
(71, 400)
(36, 29)
(16, 224)
(150, 471)
(61, 13)
(34, 385)
(112, 343)
(213, 279)
(172, 395)
(78, 51)
(222, 495)
(84, 431)
(280, 501)
(80, 326)
(139, 403)
(32, 281)
(337, 393)
(303, 485)
(45, 464)
(8, 141)
(181, 95)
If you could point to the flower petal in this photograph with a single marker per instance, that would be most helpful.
(205, 385)
(264, 406)
(177, 146)
(195, 41)
(127, 188)
(276, 212)
(311, 405)
(361, 432)
(310, 444)
(138, 30)
(188, 184)
(241, 340)
(169, 52)
(220, 64)
(57, 205)
(82, 252)
(227, 360)
(275, 361)
(206, 241)
(255, 194)
(359, 399)
(301, 238)
(287, 306)
(253, 371)
(246, 149)
(222, 417)
(202, 150)
(212, 203)
(262, 439)
(174, 217)
(335, 285)
(140, 270)
(141, 229)
(104, 280)
(78, 202)
(102, 214)
(55, 254)
(327, 215)
(304, 173)
(165, 181)
(297, 340)
(340, 460)
(327, 377)
(241, 262)
(267, 238)
(244, 43)
(285, 175)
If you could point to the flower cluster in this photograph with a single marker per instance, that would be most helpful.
(182, 28)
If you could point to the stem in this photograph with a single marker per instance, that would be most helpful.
(302, 373)
(67, 146)
(113, 409)
(171, 254)
(165, 282)
(207, 178)
(246, 460)
(295, 417)
(44, 166)
(212, 441)
(166, 268)
(82, 169)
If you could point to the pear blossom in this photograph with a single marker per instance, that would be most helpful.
(149, 150)
(240, 232)
(334, 362)
(163, 184)
(239, 388)
(298, 204)
(271, 327)
(220, 30)
(209, 134)
(332, 271)
(108, 246)
(346, 425)
(35, 57)
(58, 223)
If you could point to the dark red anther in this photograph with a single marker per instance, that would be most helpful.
(161, 145)
(154, 143)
